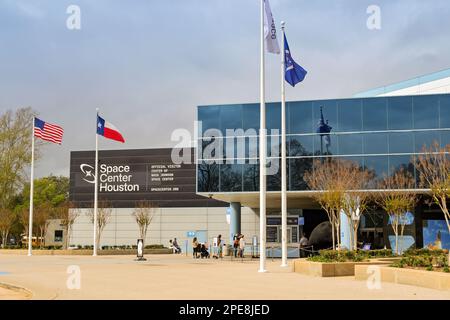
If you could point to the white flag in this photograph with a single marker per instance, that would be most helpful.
(270, 30)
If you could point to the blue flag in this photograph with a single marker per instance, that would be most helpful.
(293, 73)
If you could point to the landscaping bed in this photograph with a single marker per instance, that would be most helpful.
(332, 263)
(424, 259)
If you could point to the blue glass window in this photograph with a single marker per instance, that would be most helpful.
(251, 177)
(273, 117)
(350, 144)
(426, 112)
(300, 145)
(298, 168)
(378, 165)
(230, 177)
(444, 111)
(400, 162)
(230, 118)
(349, 115)
(401, 142)
(375, 143)
(400, 113)
(210, 118)
(374, 112)
(300, 117)
(207, 177)
(250, 115)
(426, 138)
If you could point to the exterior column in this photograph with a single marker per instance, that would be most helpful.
(235, 219)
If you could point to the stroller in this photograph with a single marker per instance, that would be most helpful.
(204, 252)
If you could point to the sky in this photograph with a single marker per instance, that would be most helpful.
(147, 64)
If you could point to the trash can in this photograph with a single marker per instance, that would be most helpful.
(225, 251)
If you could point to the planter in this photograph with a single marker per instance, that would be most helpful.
(420, 278)
(85, 252)
(331, 269)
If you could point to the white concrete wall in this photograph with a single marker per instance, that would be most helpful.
(168, 223)
(432, 87)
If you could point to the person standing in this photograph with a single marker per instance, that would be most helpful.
(241, 246)
(219, 246)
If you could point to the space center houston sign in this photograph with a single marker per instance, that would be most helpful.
(128, 176)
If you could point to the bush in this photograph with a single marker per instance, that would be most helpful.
(154, 246)
(339, 256)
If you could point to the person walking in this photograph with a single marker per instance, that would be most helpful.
(195, 247)
(236, 245)
(219, 246)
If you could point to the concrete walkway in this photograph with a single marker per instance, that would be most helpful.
(181, 277)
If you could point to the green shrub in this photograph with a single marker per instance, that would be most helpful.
(338, 256)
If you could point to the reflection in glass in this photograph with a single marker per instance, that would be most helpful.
(397, 163)
(378, 165)
(300, 145)
(251, 177)
(426, 112)
(349, 115)
(209, 117)
(350, 144)
(400, 113)
(426, 139)
(401, 142)
(230, 177)
(374, 114)
(230, 118)
(300, 117)
(375, 143)
(298, 168)
(208, 177)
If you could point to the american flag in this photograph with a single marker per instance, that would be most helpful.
(47, 131)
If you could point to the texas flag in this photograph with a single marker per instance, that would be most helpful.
(108, 130)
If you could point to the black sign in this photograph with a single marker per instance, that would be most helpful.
(128, 176)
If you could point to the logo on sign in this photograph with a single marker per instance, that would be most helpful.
(89, 173)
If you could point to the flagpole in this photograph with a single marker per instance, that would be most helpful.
(283, 158)
(262, 155)
(30, 221)
(94, 253)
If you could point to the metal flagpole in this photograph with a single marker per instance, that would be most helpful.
(94, 253)
(30, 221)
(283, 158)
(262, 156)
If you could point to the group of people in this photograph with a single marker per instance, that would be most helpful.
(199, 250)
(173, 244)
(239, 245)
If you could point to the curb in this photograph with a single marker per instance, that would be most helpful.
(28, 293)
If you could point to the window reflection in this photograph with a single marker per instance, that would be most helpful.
(401, 142)
(300, 117)
(208, 177)
(350, 144)
(374, 112)
(375, 143)
(230, 177)
(251, 177)
(349, 115)
(298, 169)
(400, 113)
(426, 112)
(426, 139)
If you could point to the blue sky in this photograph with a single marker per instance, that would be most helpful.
(148, 63)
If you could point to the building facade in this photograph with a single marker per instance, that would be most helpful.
(381, 134)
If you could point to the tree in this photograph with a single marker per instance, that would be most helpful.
(15, 152)
(433, 166)
(396, 198)
(356, 200)
(6, 220)
(23, 215)
(41, 215)
(103, 217)
(329, 192)
(143, 214)
(68, 214)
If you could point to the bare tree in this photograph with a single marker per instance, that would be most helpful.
(143, 214)
(433, 166)
(41, 216)
(68, 214)
(6, 221)
(396, 198)
(329, 192)
(357, 198)
(103, 217)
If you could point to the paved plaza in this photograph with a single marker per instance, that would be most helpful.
(180, 277)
